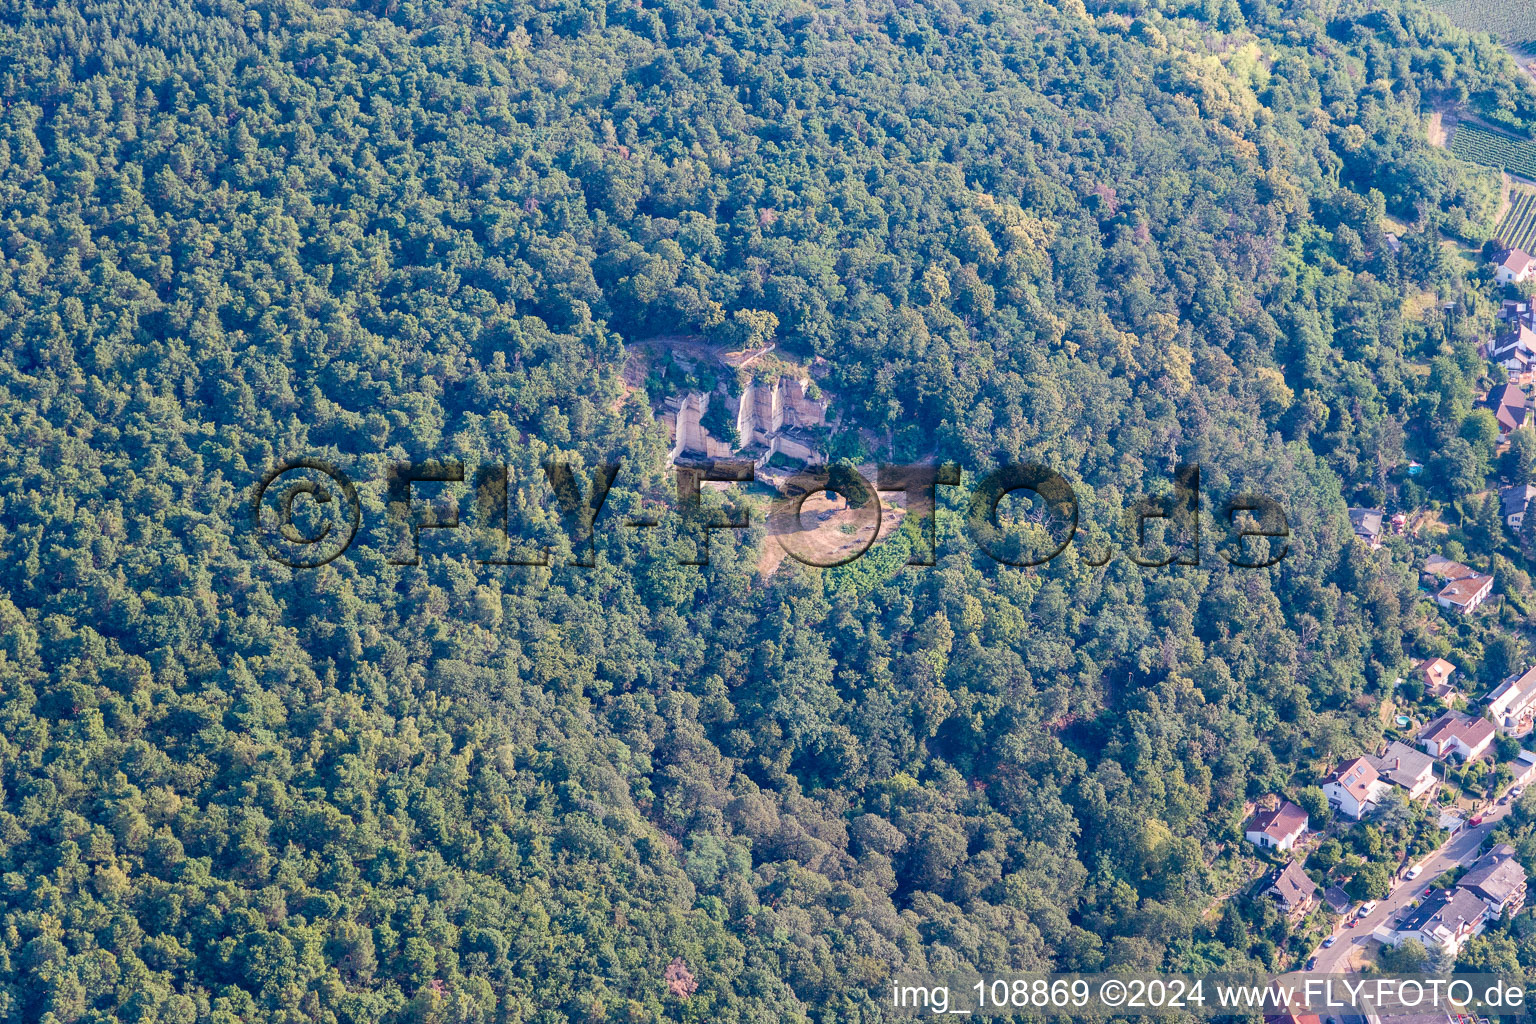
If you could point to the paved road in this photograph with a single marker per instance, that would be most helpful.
(1462, 849)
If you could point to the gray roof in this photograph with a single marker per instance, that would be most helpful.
(1516, 498)
(1337, 898)
(1367, 522)
(1401, 764)
(1449, 907)
(1496, 876)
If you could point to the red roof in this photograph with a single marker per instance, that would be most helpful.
(1355, 776)
(1471, 731)
(1285, 820)
(1509, 404)
(1437, 672)
(1463, 592)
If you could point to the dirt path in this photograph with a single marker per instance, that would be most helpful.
(822, 533)
(1436, 129)
(1524, 61)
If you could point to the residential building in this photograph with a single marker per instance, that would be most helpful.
(1515, 266)
(1337, 899)
(1515, 350)
(1355, 788)
(1509, 405)
(1278, 829)
(1465, 595)
(1439, 570)
(1437, 674)
(1445, 920)
(1291, 889)
(1512, 704)
(1498, 880)
(1524, 767)
(1368, 525)
(1455, 733)
(1401, 765)
(1514, 500)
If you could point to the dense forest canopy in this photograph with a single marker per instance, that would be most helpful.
(1108, 239)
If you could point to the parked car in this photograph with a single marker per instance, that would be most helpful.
(1476, 821)
(1414, 872)
(1330, 940)
(1366, 908)
(1311, 963)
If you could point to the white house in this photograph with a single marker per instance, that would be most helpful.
(1513, 703)
(1355, 788)
(1516, 266)
(1515, 350)
(1524, 768)
(1277, 829)
(1455, 733)
(1514, 500)
(1465, 595)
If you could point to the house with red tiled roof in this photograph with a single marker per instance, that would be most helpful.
(1437, 674)
(1438, 569)
(1279, 828)
(1355, 788)
(1466, 595)
(1510, 405)
(1516, 266)
(1455, 733)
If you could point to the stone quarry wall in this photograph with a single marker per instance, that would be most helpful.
(774, 416)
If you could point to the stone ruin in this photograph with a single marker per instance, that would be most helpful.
(771, 419)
